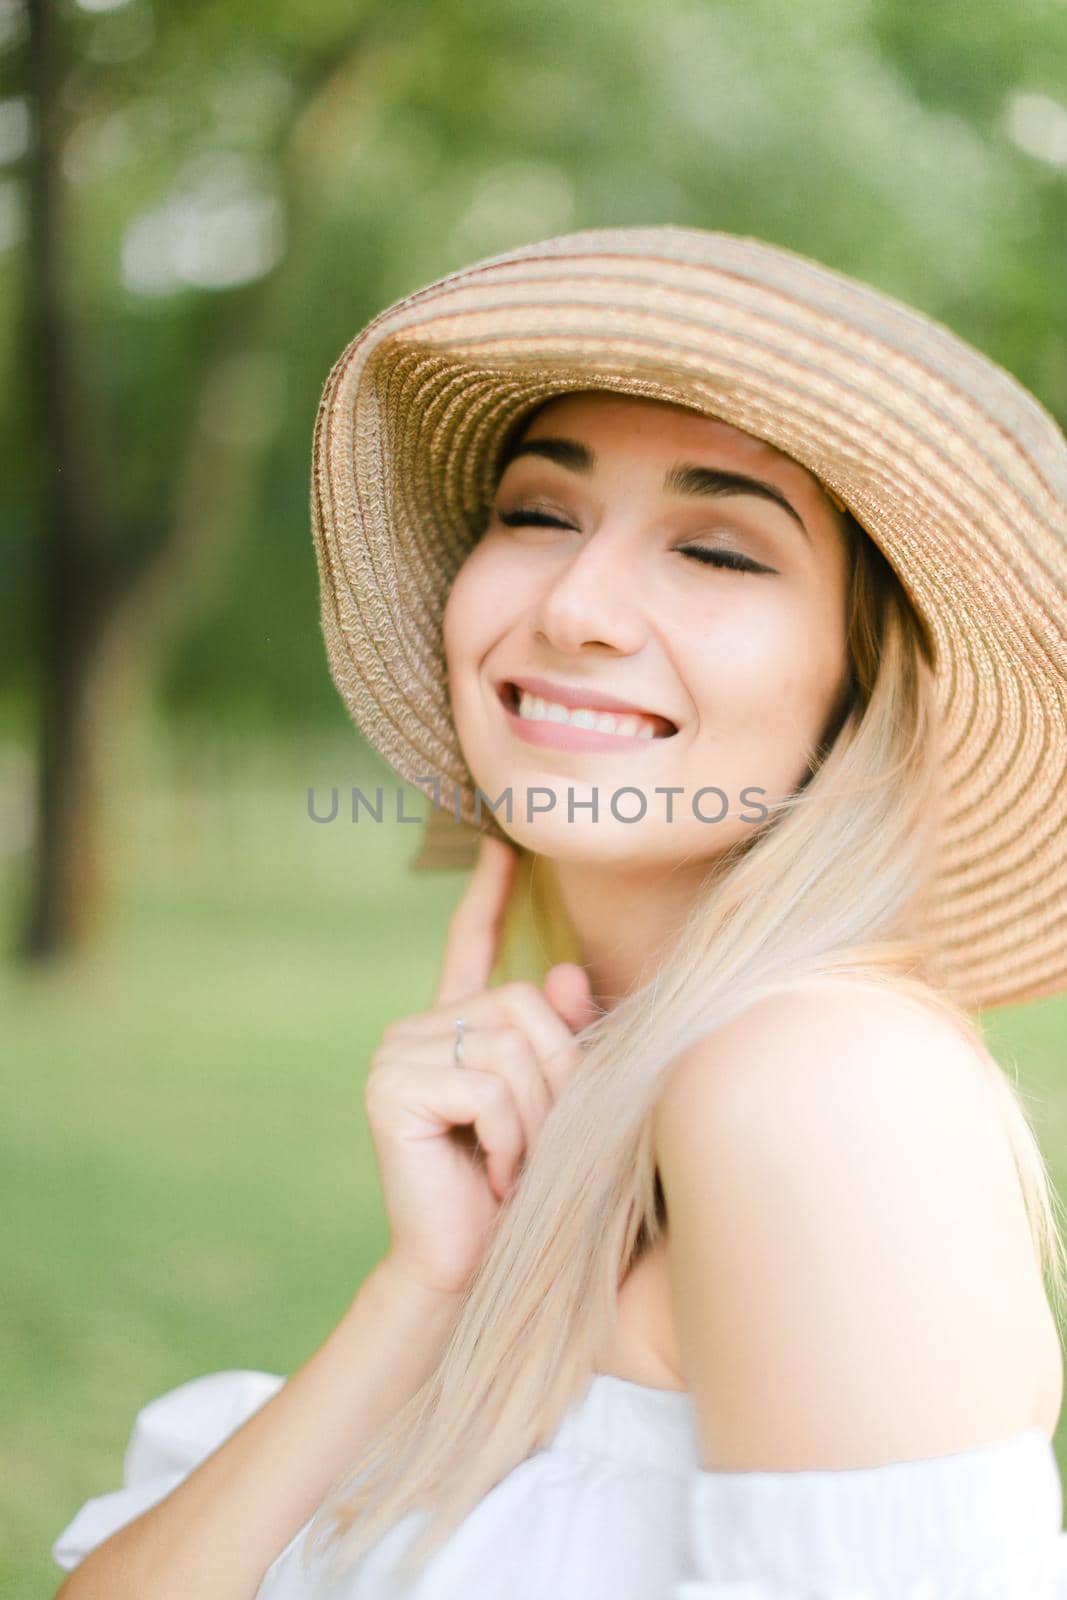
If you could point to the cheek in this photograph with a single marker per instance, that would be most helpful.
(452, 629)
(477, 612)
(769, 658)
(459, 624)
(464, 608)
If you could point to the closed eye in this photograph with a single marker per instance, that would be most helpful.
(727, 560)
(538, 519)
(731, 560)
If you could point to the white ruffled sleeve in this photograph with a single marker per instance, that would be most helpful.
(170, 1436)
(980, 1524)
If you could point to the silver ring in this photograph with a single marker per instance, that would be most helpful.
(457, 1044)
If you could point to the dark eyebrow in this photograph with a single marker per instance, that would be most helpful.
(683, 478)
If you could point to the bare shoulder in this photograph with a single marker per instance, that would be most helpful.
(848, 1240)
(828, 1049)
(848, 1071)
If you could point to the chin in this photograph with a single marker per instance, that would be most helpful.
(594, 846)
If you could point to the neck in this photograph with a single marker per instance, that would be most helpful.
(623, 917)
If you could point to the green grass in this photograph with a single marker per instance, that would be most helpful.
(186, 1178)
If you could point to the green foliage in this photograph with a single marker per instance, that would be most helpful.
(399, 141)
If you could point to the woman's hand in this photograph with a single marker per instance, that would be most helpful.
(450, 1141)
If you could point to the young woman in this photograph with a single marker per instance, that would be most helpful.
(720, 601)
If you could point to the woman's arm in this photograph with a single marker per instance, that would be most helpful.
(852, 1271)
(856, 1295)
(215, 1535)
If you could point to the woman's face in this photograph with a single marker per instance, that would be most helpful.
(642, 553)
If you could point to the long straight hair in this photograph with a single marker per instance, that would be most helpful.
(831, 882)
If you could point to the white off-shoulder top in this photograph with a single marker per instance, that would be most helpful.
(618, 1507)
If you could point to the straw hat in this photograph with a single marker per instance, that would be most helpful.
(947, 462)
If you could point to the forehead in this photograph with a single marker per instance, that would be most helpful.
(597, 410)
(658, 425)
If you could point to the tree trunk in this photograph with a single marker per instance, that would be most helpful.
(109, 597)
(71, 598)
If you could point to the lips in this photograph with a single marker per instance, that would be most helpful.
(580, 699)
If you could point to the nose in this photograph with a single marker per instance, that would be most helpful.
(593, 598)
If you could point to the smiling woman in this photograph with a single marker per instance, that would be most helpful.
(721, 1256)
(690, 590)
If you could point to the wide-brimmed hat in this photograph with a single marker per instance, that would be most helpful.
(951, 466)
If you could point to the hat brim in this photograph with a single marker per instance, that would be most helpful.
(950, 465)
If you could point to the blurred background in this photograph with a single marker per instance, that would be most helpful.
(199, 206)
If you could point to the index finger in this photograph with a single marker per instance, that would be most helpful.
(476, 923)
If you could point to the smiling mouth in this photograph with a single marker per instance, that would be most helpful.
(662, 727)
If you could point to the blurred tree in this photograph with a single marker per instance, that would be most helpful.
(119, 573)
(221, 195)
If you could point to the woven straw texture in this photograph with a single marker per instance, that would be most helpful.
(949, 464)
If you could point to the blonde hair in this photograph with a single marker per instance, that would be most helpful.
(830, 882)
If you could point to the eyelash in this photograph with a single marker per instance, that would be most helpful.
(726, 560)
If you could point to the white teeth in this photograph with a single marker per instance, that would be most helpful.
(534, 709)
